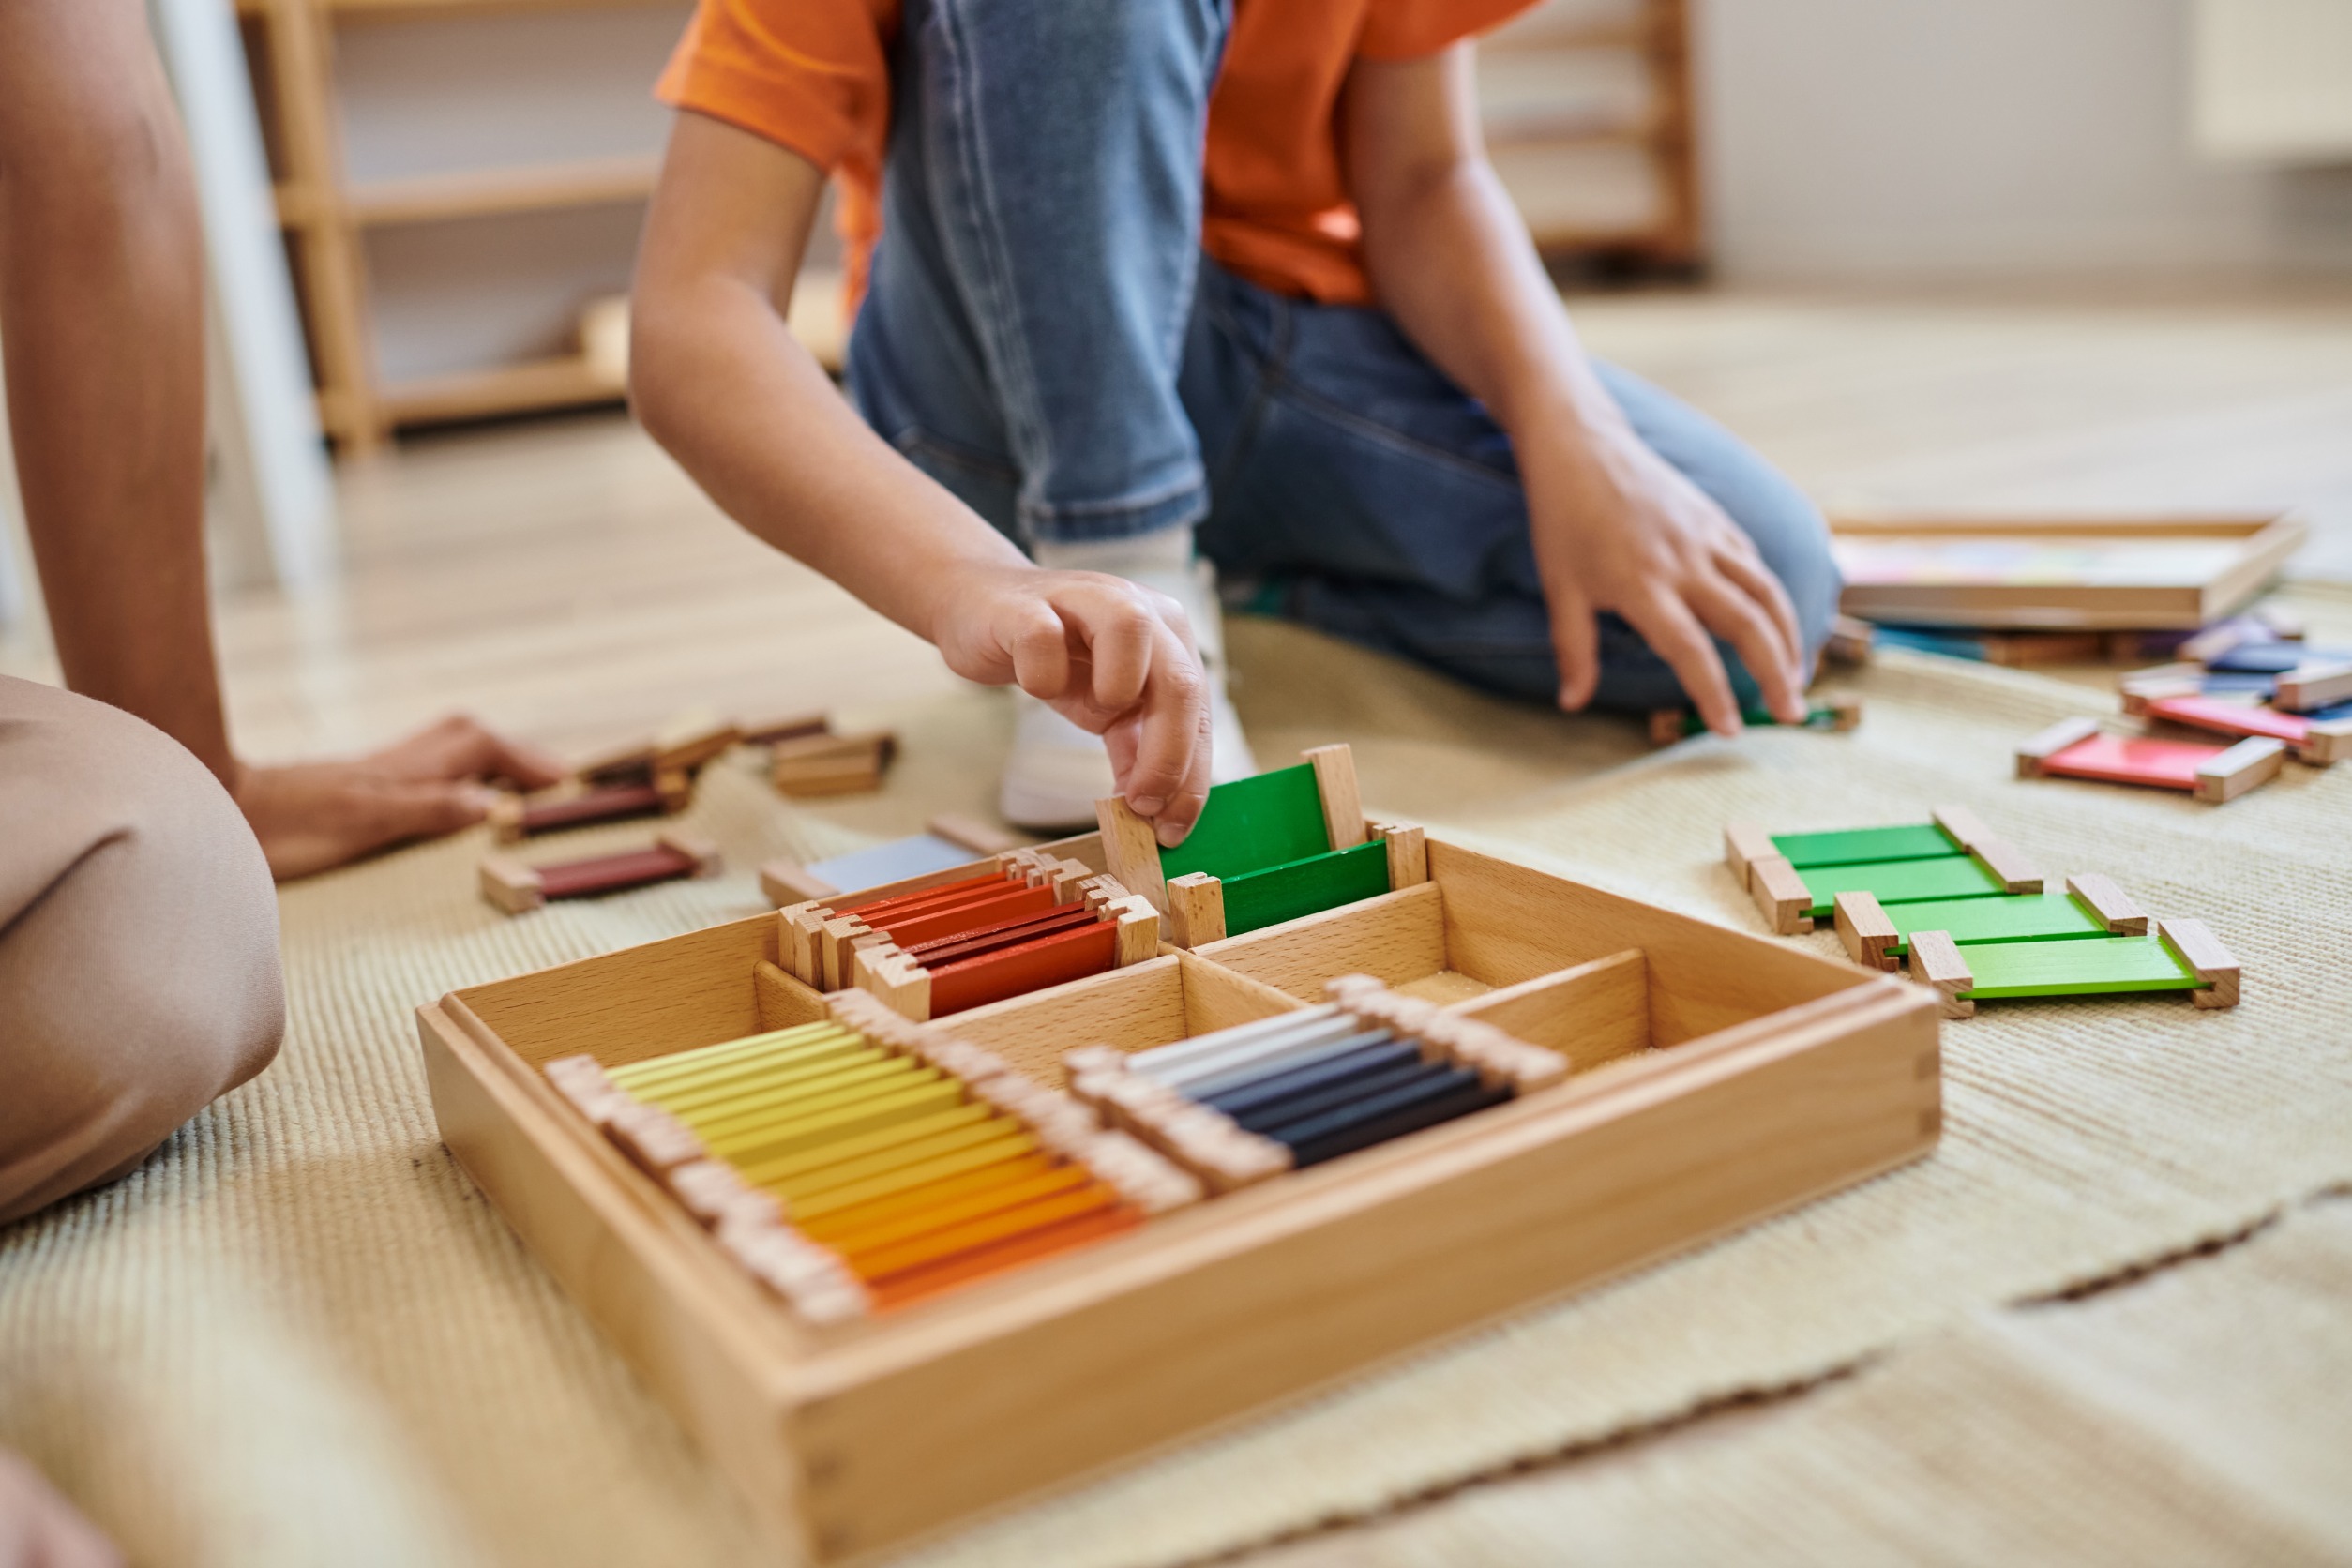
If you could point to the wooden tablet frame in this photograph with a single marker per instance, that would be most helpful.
(2264, 544)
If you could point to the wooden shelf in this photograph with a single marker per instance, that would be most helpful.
(1658, 35)
(328, 220)
(565, 382)
(1571, 131)
(476, 193)
(424, 9)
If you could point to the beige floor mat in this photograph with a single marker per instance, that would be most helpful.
(299, 1336)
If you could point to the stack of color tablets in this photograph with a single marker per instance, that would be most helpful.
(1031, 921)
(1301, 1087)
(2275, 697)
(858, 1166)
(1970, 918)
(2303, 704)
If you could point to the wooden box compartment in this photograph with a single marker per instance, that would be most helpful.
(1173, 997)
(1722, 1078)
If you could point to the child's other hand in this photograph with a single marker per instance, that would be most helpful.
(1617, 528)
(1114, 658)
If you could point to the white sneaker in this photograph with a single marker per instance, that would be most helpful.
(1057, 771)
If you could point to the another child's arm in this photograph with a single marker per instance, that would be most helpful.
(720, 383)
(1615, 526)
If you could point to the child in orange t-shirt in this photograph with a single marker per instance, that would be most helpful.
(1151, 276)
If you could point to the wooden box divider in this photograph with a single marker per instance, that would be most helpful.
(1719, 1077)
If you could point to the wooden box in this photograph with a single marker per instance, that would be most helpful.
(1721, 1078)
(2058, 574)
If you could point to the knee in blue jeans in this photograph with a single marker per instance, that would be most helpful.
(1794, 540)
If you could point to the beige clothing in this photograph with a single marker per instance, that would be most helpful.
(139, 974)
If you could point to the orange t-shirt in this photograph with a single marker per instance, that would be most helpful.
(814, 76)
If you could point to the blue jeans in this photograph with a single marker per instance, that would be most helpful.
(1042, 336)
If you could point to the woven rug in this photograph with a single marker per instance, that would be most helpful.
(2195, 1417)
(300, 1336)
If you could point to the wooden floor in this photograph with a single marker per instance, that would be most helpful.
(565, 581)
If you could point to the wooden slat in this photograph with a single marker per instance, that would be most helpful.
(1396, 938)
(502, 390)
(1132, 1008)
(1591, 1014)
(435, 198)
(2192, 525)
(638, 1003)
(1506, 924)
(326, 254)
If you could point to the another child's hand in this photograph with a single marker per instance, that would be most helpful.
(314, 816)
(1115, 660)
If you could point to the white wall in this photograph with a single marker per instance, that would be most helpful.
(1910, 139)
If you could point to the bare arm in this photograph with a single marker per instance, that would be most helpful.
(1615, 527)
(103, 318)
(719, 381)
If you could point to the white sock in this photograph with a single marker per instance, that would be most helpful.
(1163, 562)
(1163, 549)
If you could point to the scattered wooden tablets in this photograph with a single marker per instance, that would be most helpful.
(656, 776)
(513, 819)
(516, 887)
(807, 767)
(684, 747)
(2316, 741)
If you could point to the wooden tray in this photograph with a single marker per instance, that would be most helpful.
(1722, 1078)
(2058, 574)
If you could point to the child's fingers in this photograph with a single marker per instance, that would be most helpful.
(1038, 644)
(1175, 822)
(1118, 625)
(1169, 777)
(1674, 634)
(1576, 646)
(1747, 569)
(461, 746)
(1739, 620)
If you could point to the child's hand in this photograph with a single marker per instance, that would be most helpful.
(1616, 527)
(1115, 660)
